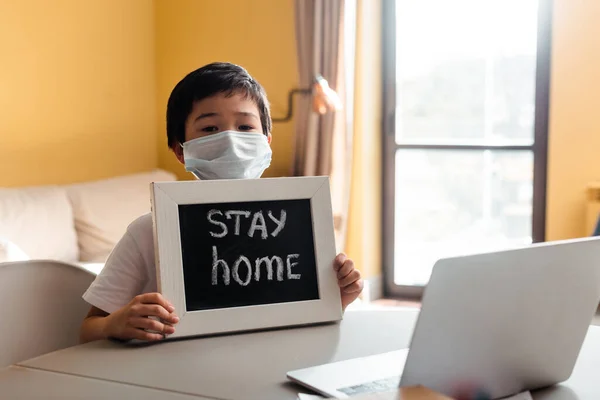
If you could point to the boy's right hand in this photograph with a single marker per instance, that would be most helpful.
(130, 321)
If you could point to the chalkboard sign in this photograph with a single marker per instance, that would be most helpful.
(235, 255)
(243, 254)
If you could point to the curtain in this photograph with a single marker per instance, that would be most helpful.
(323, 143)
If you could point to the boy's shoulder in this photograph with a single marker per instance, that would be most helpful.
(141, 226)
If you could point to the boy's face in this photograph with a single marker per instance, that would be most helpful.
(220, 113)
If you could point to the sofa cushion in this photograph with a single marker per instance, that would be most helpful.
(10, 252)
(39, 221)
(103, 210)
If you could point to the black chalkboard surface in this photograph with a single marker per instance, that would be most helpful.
(247, 253)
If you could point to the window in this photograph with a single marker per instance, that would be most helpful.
(466, 105)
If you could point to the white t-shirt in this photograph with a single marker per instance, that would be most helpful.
(129, 271)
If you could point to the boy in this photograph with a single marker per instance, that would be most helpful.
(219, 127)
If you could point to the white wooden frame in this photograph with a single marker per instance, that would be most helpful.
(166, 198)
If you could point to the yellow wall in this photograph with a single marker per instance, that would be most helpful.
(77, 90)
(574, 126)
(364, 223)
(257, 34)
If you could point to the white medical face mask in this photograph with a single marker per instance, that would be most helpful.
(228, 155)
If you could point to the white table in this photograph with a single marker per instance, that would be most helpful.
(26, 383)
(254, 365)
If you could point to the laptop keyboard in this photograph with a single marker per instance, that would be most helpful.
(380, 385)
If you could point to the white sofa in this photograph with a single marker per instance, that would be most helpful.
(78, 224)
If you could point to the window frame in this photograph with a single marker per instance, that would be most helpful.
(539, 148)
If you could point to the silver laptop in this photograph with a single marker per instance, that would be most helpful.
(505, 322)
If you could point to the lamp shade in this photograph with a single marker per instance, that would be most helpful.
(325, 99)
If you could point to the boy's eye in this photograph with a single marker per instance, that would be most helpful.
(210, 129)
(246, 128)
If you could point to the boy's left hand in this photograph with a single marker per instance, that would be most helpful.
(348, 279)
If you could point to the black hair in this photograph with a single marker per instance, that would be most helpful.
(208, 81)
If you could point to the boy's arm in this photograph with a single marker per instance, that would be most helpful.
(93, 326)
(348, 279)
(131, 321)
(125, 275)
